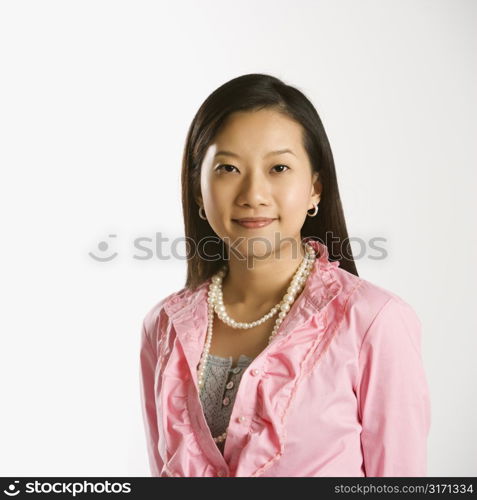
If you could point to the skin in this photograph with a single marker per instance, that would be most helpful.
(255, 185)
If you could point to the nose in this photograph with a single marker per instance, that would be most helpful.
(254, 190)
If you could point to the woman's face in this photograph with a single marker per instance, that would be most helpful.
(244, 174)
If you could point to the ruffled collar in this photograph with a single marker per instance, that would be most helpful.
(320, 284)
(188, 309)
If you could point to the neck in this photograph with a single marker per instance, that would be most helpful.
(265, 283)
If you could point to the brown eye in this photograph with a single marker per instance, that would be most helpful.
(281, 166)
(224, 165)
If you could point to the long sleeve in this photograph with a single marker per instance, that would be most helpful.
(148, 360)
(393, 394)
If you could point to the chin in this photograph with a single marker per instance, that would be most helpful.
(246, 248)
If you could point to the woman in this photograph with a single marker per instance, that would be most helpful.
(274, 360)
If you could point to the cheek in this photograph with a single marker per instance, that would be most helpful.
(212, 192)
(293, 198)
(219, 196)
(293, 203)
(217, 202)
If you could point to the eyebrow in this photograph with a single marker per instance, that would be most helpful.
(235, 155)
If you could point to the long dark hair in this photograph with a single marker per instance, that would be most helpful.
(253, 92)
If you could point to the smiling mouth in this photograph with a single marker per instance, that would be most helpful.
(253, 223)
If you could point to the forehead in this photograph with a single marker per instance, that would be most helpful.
(258, 132)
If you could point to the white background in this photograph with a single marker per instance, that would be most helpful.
(96, 99)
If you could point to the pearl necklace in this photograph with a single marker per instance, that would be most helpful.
(216, 303)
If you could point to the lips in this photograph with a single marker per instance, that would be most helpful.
(254, 222)
(254, 219)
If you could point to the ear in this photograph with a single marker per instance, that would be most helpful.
(199, 201)
(316, 189)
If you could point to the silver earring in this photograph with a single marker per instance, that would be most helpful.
(201, 210)
(315, 212)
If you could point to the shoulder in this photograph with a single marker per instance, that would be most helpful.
(374, 297)
(155, 317)
(373, 306)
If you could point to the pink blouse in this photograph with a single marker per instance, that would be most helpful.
(341, 390)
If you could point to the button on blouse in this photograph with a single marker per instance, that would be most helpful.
(221, 383)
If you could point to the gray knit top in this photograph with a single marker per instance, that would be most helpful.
(221, 382)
